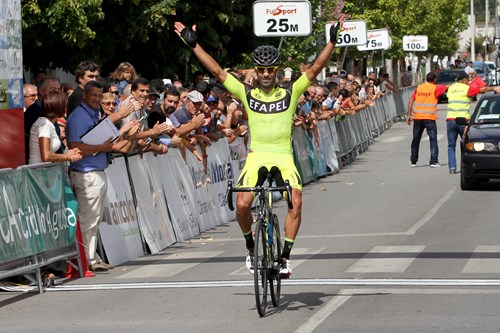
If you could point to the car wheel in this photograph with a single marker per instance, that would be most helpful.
(467, 184)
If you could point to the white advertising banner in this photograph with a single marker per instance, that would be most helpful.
(177, 184)
(119, 229)
(205, 200)
(327, 147)
(151, 206)
(220, 170)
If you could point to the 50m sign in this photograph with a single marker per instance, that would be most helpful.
(353, 33)
(282, 18)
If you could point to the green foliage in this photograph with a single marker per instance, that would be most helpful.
(65, 32)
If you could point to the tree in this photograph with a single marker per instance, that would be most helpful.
(64, 32)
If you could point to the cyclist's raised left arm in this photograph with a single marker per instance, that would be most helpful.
(189, 36)
(327, 51)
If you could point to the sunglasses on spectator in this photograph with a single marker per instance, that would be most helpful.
(30, 96)
(262, 70)
(109, 103)
(115, 92)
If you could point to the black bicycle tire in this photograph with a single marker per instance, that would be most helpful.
(260, 273)
(275, 278)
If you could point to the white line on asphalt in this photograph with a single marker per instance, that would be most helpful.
(291, 282)
(323, 313)
(370, 264)
(483, 265)
(336, 302)
(430, 213)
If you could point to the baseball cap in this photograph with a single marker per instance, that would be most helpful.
(153, 91)
(212, 99)
(195, 97)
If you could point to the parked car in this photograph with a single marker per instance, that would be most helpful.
(447, 77)
(494, 73)
(483, 71)
(480, 146)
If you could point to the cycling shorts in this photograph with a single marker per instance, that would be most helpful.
(284, 161)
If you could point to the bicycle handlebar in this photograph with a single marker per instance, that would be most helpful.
(258, 189)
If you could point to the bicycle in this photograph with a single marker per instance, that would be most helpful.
(267, 251)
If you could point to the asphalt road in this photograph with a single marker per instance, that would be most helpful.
(383, 247)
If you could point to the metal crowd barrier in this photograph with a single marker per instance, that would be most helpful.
(356, 133)
(31, 266)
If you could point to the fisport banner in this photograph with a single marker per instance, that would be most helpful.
(151, 206)
(205, 200)
(177, 186)
(119, 229)
(327, 147)
(37, 211)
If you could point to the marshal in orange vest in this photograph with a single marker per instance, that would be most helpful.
(425, 106)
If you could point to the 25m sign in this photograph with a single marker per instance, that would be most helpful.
(282, 18)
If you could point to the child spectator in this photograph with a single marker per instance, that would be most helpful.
(124, 74)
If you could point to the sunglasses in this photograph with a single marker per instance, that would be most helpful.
(30, 96)
(270, 70)
(115, 92)
(109, 103)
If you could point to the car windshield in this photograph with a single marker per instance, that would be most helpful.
(488, 112)
(447, 76)
(491, 65)
(478, 69)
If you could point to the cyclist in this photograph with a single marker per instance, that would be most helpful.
(270, 110)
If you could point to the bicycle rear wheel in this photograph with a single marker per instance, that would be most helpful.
(275, 278)
(260, 268)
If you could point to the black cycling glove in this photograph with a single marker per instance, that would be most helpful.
(334, 32)
(189, 36)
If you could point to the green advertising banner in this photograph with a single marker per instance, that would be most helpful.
(38, 211)
(15, 242)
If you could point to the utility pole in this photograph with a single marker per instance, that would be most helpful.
(472, 22)
(486, 29)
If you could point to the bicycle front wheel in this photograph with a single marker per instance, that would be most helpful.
(275, 278)
(260, 268)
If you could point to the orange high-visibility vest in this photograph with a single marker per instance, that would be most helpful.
(425, 105)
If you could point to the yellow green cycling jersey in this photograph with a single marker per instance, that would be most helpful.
(270, 116)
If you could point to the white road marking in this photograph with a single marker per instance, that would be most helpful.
(336, 302)
(295, 263)
(170, 269)
(388, 264)
(483, 265)
(323, 313)
(291, 282)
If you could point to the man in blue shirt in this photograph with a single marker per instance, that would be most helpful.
(87, 175)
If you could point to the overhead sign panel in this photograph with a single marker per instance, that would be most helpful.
(353, 33)
(415, 43)
(282, 18)
(377, 39)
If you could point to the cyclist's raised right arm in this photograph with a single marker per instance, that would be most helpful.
(189, 37)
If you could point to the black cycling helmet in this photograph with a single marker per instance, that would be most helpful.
(266, 55)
